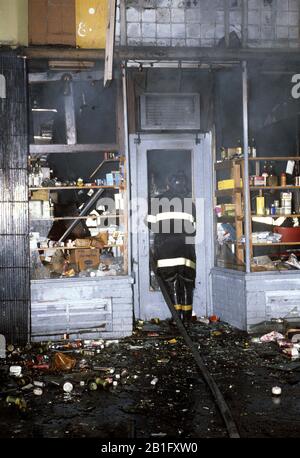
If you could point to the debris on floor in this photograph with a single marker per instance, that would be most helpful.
(148, 385)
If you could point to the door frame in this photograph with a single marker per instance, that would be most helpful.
(201, 148)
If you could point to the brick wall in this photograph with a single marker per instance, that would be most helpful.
(258, 23)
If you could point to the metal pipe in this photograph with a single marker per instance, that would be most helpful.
(209, 380)
(246, 167)
(82, 213)
(128, 178)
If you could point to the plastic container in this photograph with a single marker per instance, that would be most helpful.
(289, 234)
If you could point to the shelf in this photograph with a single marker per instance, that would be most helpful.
(276, 216)
(275, 158)
(226, 164)
(75, 248)
(228, 219)
(276, 244)
(227, 192)
(58, 188)
(256, 244)
(69, 218)
(254, 188)
(79, 148)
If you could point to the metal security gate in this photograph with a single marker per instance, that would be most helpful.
(14, 222)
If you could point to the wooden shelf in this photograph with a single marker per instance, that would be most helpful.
(53, 188)
(226, 164)
(254, 188)
(275, 158)
(67, 218)
(276, 216)
(227, 192)
(75, 248)
(276, 244)
(264, 244)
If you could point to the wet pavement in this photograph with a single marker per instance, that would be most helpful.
(154, 388)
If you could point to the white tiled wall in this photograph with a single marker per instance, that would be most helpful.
(268, 23)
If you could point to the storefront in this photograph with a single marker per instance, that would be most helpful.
(97, 155)
(256, 277)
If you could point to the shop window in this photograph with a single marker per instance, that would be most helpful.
(77, 178)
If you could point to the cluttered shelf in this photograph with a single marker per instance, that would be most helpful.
(73, 218)
(227, 192)
(254, 188)
(74, 248)
(58, 188)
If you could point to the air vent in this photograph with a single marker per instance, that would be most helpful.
(170, 112)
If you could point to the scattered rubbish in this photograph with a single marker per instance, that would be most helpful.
(276, 390)
(68, 387)
(18, 401)
(27, 387)
(172, 341)
(15, 371)
(293, 335)
(2, 347)
(39, 384)
(38, 391)
(92, 385)
(203, 320)
(256, 340)
(293, 352)
(108, 343)
(214, 319)
(216, 333)
(155, 320)
(154, 381)
(63, 362)
(103, 383)
(272, 337)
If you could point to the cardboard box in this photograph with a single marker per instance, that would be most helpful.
(85, 258)
(41, 194)
(83, 243)
(227, 184)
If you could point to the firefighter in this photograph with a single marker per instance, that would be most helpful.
(172, 219)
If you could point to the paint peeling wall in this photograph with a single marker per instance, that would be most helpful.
(252, 23)
(14, 22)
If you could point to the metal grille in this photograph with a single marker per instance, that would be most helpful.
(14, 226)
(170, 112)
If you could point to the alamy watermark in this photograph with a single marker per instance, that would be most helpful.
(161, 215)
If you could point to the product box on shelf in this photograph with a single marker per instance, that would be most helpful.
(85, 258)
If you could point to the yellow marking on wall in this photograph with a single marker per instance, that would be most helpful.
(91, 23)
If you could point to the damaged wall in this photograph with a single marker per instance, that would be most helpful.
(14, 224)
(14, 22)
(253, 23)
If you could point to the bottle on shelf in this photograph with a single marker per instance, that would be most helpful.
(265, 173)
(283, 179)
(252, 146)
(223, 154)
(239, 149)
(272, 178)
(296, 174)
(260, 204)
